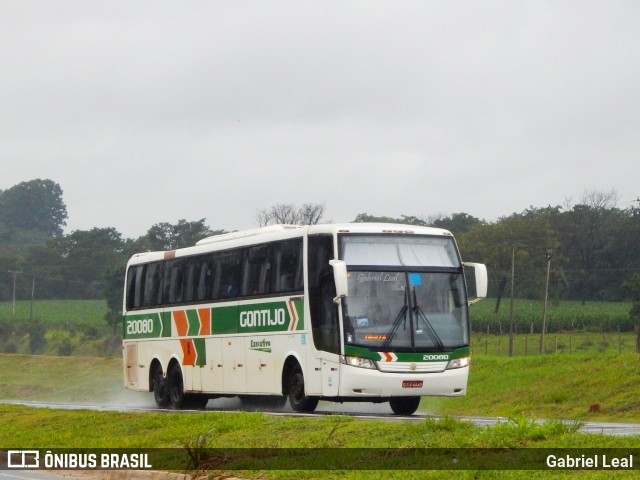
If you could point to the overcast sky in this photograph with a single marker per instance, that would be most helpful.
(153, 111)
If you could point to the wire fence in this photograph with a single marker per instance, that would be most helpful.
(556, 343)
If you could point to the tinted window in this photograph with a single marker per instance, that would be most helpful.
(227, 274)
(257, 271)
(152, 285)
(173, 281)
(287, 266)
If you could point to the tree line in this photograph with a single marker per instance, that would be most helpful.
(591, 244)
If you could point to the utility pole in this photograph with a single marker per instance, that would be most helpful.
(513, 275)
(546, 296)
(15, 276)
(33, 292)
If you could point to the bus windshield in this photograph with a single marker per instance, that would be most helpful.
(406, 293)
(406, 311)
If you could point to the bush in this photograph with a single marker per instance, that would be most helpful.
(65, 348)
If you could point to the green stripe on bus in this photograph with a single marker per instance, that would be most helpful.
(201, 351)
(377, 354)
(264, 317)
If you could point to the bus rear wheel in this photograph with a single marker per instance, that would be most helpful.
(160, 390)
(175, 386)
(404, 405)
(297, 398)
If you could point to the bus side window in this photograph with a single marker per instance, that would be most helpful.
(152, 285)
(227, 274)
(287, 258)
(173, 281)
(204, 278)
(135, 282)
(256, 271)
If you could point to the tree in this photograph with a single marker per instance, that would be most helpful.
(524, 236)
(403, 220)
(584, 230)
(165, 236)
(73, 266)
(290, 214)
(113, 292)
(34, 206)
(457, 223)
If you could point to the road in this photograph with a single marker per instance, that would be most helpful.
(357, 410)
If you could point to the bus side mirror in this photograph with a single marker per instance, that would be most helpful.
(482, 282)
(340, 277)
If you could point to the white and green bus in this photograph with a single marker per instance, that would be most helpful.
(352, 312)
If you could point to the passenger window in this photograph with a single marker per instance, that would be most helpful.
(134, 288)
(173, 281)
(287, 258)
(152, 285)
(256, 271)
(227, 274)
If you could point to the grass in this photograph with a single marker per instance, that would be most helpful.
(44, 428)
(550, 386)
(522, 388)
(580, 386)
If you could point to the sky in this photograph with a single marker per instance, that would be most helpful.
(154, 111)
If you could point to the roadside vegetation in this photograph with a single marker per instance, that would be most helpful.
(44, 428)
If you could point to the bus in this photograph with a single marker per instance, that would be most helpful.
(340, 312)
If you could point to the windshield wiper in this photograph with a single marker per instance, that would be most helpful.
(430, 330)
(402, 314)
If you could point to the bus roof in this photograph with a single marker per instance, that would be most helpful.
(277, 232)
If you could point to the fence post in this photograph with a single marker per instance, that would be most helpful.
(570, 342)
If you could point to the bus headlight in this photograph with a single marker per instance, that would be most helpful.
(458, 363)
(359, 362)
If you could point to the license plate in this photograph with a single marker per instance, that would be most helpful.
(412, 384)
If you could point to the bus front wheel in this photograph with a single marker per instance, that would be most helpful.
(404, 405)
(297, 398)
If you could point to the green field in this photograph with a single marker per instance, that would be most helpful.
(58, 313)
(561, 316)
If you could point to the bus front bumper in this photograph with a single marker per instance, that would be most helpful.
(362, 382)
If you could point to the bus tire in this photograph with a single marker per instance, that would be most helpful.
(175, 387)
(160, 390)
(297, 398)
(404, 405)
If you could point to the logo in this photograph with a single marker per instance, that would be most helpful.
(261, 345)
(413, 367)
(262, 318)
(23, 459)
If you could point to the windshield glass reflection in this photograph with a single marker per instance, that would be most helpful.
(406, 311)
